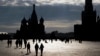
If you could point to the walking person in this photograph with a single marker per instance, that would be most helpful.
(16, 43)
(36, 49)
(28, 48)
(41, 48)
(25, 43)
(21, 43)
(8, 42)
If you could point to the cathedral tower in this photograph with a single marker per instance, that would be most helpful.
(31, 29)
(88, 15)
(33, 23)
(87, 30)
(88, 5)
(33, 19)
(41, 27)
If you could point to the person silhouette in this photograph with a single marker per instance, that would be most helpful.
(80, 41)
(28, 48)
(36, 49)
(21, 43)
(8, 42)
(25, 42)
(16, 43)
(41, 48)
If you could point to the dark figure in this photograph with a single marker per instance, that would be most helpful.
(67, 41)
(28, 48)
(51, 40)
(20, 43)
(41, 49)
(80, 41)
(16, 43)
(33, 41)
(46, 41)
(39, 40)
(36, 49)
(8, 42)
(25, 43)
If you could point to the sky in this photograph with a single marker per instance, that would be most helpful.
(60, 15)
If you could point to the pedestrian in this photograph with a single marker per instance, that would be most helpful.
(25, 43)
(28, 48)
(36, 49)
(8, 42)
(16, 43)
(21, 43)
(41, 48)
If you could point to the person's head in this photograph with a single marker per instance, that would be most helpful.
(36, 42)
(41, 43)
(28, 42)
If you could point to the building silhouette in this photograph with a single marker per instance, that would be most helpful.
(31, 28)
(90, 27)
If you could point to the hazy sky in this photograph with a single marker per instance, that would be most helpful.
(42, 2)
(59, 15)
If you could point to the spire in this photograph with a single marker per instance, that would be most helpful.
(88, 1)
(34, 12)
(24, 21)
(34, 19)
(41, 20)
(98, 18)
(89, 15)
(33, 6)
(88, 5)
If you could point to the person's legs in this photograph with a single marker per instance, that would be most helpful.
(25, 45)
(41, 52)
(21, 45)
(36, 52)
(17, 45)
(27, 50)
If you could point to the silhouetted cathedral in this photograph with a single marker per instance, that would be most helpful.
(90, 27)
(31, 28)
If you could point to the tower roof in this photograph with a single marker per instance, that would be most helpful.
(88, 5)
(33, 18)
(41, 20)
(33, 6)
(98, 18)
(88, 1)
(24, 20)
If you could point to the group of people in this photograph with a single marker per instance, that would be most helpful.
(19, 43)
(36, 48)
(9, 42)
